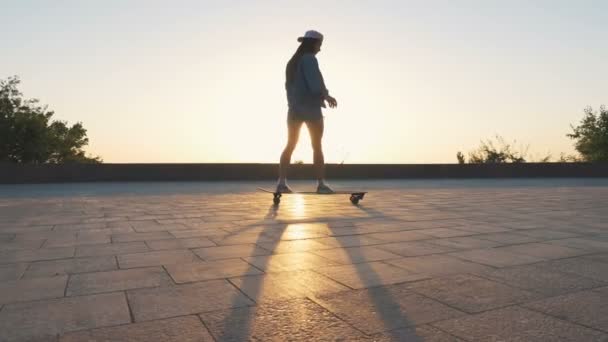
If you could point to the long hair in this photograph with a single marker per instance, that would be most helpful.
(307, 46)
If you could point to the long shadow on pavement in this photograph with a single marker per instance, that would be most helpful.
(237, 324)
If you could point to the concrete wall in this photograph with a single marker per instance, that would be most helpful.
(15, 173)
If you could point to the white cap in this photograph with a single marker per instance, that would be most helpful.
(312, 34)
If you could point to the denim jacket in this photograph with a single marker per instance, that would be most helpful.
(305, 94)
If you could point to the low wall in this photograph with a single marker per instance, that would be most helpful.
(15, 173)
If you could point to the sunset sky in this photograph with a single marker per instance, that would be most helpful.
(416, 81)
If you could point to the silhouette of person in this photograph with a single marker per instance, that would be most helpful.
(306, 94)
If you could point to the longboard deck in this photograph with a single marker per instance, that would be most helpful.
(337, 192)
(355, 196)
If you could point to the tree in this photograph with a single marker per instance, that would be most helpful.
(591, 135)
(28, 135)
(493, 153)
(460, 157)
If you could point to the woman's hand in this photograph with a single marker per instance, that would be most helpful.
(331, 101)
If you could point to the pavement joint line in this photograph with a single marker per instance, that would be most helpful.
(253, 300)
(131, 315)
(67, 283)
(334, 280)
(169, 274)
(314, 300)
(449, 333)
(206, 327)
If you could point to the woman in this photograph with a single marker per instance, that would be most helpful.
(306, 94)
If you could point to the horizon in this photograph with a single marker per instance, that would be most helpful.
(415, 82)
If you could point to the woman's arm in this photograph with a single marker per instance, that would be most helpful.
(313, 76)
(314, 80)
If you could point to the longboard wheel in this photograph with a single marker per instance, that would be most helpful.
(354, 199)
(276, 198)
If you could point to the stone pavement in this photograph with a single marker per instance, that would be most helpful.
(455, 263)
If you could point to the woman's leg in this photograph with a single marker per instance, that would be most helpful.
(315, 128)
(293, 134)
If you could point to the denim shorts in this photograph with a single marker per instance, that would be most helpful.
(312, 115)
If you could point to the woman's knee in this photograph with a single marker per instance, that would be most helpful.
(290, 147)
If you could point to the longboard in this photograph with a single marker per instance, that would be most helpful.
(355, 196)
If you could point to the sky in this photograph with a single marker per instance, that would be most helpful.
(416, 81)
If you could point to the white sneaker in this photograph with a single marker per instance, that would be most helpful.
(324, 189)
(283, 189)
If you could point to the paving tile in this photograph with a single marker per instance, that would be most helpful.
(438, 265)
(207, 270)
(239, 239)
(70, 266)
(11, 271)
(353, 255)
(85, 239)
(12, 291)
(300, 231)
(179, 329)
(190, 233)
(446, 232)
(599, 257)
(533, 223)
(370, 274)
(348, 241)
(130, 237)
(7, 237)
(78, 226)
(463, 243)
(156, 258)
(586, 244)
(106, 231)
(36, 254)
(381, 309)
(16, 245)
(546, 234)
(97, 282)
(152, 224)
(543, 250)
(28, 231)
(573, 227)
(507, 238)
(470, 293)
(111, 249)
(291, 320)
(42, 320)
(517, 324)
(588, 308)
(413, 248)
(421, 333)
(406, 235)
(543, 280)
(482, 228)
(292, 246)
(227, 252)
(583, 266)
(288, 262)
(195, 242)
(187, 299)
(496, 257)
(286, 285)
